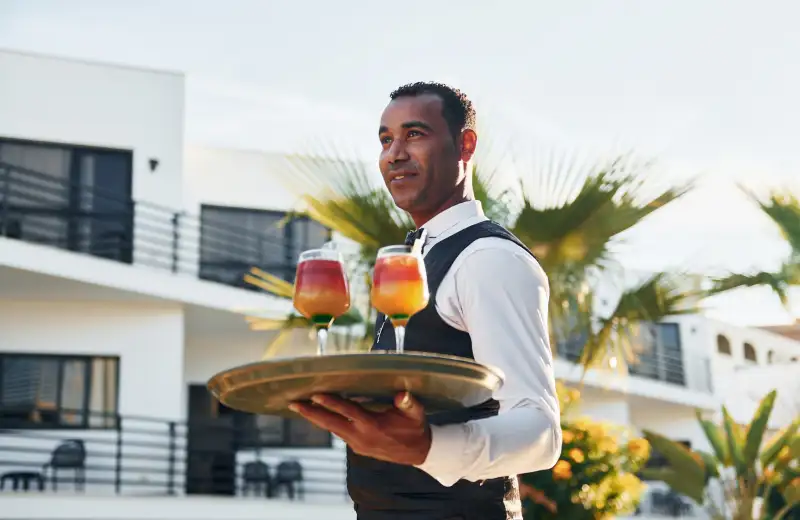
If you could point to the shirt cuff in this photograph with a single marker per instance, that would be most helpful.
(448, 444)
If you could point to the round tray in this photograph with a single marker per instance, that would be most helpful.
(439, 382)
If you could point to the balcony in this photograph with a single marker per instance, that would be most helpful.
(139, 456)
(660, 358)
(220, 245)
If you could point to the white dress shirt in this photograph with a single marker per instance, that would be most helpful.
(498, 293)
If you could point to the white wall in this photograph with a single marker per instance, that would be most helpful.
(50, 99)
(70, 101)
(147, 338)
(75, 507)
(230, 177)
(149, 341)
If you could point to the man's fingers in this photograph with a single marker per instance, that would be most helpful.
(323, 418)
(343, 407)
(409, 406)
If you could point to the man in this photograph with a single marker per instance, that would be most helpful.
(488, 302)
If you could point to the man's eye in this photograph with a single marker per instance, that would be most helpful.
(386, 140)
(413, 133)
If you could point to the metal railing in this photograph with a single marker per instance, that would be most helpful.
(143, 456)
(44, 209)
(655, 363)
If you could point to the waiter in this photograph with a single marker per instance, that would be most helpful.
(488, 302)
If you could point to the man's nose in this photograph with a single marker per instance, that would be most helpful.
(397, 152)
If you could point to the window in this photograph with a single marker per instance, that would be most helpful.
(723, 345)
(770, 357)
(750, 352)
(267, 431)
(70, 197)
(235, 239)
(43, 391)
(661, 356)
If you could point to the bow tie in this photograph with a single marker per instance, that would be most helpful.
(412, 236)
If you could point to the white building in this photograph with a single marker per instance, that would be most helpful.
(121, 257)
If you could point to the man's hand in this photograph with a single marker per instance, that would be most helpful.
(400, 435)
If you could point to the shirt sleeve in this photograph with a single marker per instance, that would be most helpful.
(501, 299)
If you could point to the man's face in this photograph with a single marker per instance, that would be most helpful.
(419, 158)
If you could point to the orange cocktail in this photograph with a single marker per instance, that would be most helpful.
(399, 287)
(321, 290)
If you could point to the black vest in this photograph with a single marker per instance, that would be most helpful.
(383, 490)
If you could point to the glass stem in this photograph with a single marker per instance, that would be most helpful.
(322, 340)
(400, 337)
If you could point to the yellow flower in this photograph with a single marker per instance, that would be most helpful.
(562, 470)
(576, 455)
(568, 436)
(607, 445)
(639, 448)
(596, 430)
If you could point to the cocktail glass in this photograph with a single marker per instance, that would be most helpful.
(399, 287)
(321, 290)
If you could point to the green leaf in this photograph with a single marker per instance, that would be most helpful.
(690, 470)
(711, 464)
(755, 432)
(735, 442)
(677, 482)
(776, 444)
(717, 440)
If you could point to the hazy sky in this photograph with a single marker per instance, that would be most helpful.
(705, 87)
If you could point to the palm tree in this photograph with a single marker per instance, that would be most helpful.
(783, 208)
(571, 215)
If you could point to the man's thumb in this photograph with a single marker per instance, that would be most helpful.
(409, 406)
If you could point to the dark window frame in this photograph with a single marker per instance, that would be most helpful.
(85, 411)
(749, 353)
(285, 268)
(73, 213)
(723, 345)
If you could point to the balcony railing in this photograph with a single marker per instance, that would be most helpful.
(142, 456)
(43, 209)
(655, 362)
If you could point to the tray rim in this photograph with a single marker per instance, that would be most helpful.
(214, 383)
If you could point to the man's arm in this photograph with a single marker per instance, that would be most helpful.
(500, 298)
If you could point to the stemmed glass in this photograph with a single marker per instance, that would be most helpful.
(399, 287)
(321, 290)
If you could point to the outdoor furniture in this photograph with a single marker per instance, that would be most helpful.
(256, 476)
(69, 455)
(22, 480)
(290, 476)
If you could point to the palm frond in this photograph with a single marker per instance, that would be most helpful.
(783, 208)
(583, 210)
(781, 281)
(619, 335)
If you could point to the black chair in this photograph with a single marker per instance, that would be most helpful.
(70, 454)
(290, 475)
(255, 476)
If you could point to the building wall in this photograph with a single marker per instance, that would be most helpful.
(36, 506)
(44, 98)
(148, 338)
(242, 178)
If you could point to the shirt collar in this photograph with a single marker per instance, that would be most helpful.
(452, 216)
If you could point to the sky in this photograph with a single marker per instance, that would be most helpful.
(707, 89)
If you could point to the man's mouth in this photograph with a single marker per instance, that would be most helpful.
(401, 177)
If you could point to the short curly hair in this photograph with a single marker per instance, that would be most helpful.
(457, 109)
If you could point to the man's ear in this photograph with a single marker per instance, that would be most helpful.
(469, 141)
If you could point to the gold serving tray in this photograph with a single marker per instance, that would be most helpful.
(439, 382)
